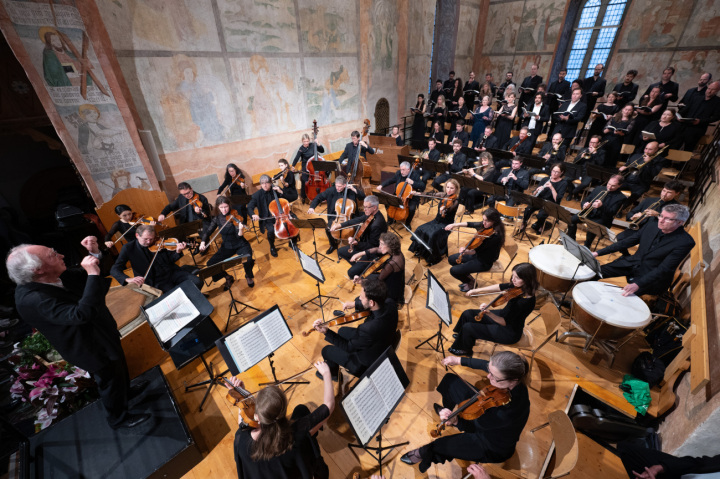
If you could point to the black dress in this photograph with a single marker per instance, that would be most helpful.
(302, 461)
(434, 235)
(504, 125)
(598, 124)
(393, 274)
(125, 229)
(418, 128)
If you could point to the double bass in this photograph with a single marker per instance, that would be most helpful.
(362, 172)
(317, 180)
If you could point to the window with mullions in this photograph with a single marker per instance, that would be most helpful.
(594, 36)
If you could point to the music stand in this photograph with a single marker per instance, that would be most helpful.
(560, 213)
(436, 167)
(532, 161)
(438, 301)
(313, 223)
(533, 202)
(444, 148)
(366, 405)
(599, 173)
(328, 167)
(254, 341)
(600, 231)
(311, 267)
(388, 201)
(185, 340)
(244, 200)
(583, 255)
(500, 154)
(417, 238)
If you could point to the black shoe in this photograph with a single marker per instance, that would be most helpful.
(133, 420)
(250, 282)
(412, 457)
(437, 408)
(455, 335)
(337, 312)
(137, 388)
(459, 352)
(536, 228)
(464, 288)
(331, 249)
(229, 280)
(334, 378)
(273, 252)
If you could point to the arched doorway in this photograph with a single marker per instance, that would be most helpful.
(382, 116)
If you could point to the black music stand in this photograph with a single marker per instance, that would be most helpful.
(583, 255)
(599, 173)
(601, 231)
(534, 203)
(438, 301)
(238, 352)
(388, 201)
(311, 267)
(444, 148)
(532, 161)
(417, 238)
(194, 339)
(328, 167)
(392, 388)
(438, 167)
(244, 200)
(560, 213)
(313, 224)
(500, 154)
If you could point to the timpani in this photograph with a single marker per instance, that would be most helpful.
(557, 268)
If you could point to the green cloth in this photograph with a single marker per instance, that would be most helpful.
(639, 396)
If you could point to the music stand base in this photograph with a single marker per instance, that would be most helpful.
(377, 451)
(210, 382)
(439, 346)
(233, 306)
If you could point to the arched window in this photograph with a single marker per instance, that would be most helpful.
(594, 36)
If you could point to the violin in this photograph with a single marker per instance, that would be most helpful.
(361, 230)
(234, 181)
(476, 241)
(142, 220)
(317, 181)
(280, 209)
(499, 300)
(375, 265)
(348, 318)
(245, 401)
(476, 406)
(446, 204)
(167, 243)
(196, 203)
(402, 191)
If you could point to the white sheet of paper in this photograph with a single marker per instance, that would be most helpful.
(438, 301)
(252, 344)
(275, 330)
(311, 266)
(172, 314)
(387, 383)
(370, 409)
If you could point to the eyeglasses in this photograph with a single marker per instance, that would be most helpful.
(665, 218)
(497, 379)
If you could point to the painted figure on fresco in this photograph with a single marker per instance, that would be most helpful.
(60, 66)
(268, 109)
(333, 89)
(202, 103)
(95, 135)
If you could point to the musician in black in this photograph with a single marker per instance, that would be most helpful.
(286, 180)
(460, 133)
(431, 154)
(458, 163)
(395, 133)
(331, 196)
(449, 84)
(640, 170)
(370, 237)
(304, 153)
(594, 88)
(503, 86)
(408, 175)
(433, 233)
(698, 91)
(391, 272)
(529, 86)
(489, 81)
(618, 131)
(234, 185)
(626, 90)
(350, 153)
(164, 274)
(569, 115)
(438, 91)
(486, 171)
(642, 462)
(437, 133)
(502, 326)
(124, 226)
(356, 348)
(491, 437)
(701, 111)
(488, 141)
(601, 207)
(261, 200)
(552, 152)
(592, 155)
(521, 144)
(551, 188)
(662, 245)
(558, 90)
(668, 88)
(537, 115)
(516, 178)
(183, 212)
(469, 261)
(470, 90)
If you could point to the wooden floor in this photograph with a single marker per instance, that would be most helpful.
(558, 368)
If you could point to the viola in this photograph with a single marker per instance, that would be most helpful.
(348, 318)
(317, 181)
(361, 230)
(499, 300)
(474, 407)
(375, 265)
(245, 401)
(476, 241)
(280, 209)
(402, 191)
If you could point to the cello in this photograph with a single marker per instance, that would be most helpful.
(317, 181)
(280, 209)
(402, 191)
(343, 210)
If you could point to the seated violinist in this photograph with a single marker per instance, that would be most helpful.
(356, 349)
(234, 185)
(367, 229)
(126, 226)
(198, 210)
(261, 201)
(502, 326)
(231, 228)
(287, 181)
(413, 183)
(389, 258)
(490, 436)
(433, 233)
(164, 274)
(332, 196)
(481, 251)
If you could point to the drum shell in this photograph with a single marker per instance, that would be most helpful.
(554, 283)
(590, 324)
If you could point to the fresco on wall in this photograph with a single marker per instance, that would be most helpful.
(259, 25)
(268, 94)
(421, 23)
(332, 89)
(503, 21)
(418, 73)
(690, 65)
(497, 65)
(541, 24)
(703, 29)
(328, 27)
(175, 25)
(383, 34)
(467, 27)
(648, 64)
(463, 67)
(521, 66)
(654, 23)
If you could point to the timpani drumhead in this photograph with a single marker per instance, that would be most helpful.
(556, 267)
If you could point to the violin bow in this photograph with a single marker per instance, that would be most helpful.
(153, 260)
(126, 232)
(416, 238)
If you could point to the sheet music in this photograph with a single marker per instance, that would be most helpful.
(359, 409)
(248, 346)
(387, 383)
(311, 266)
(171, 314)
(438, 300)
(275, 330)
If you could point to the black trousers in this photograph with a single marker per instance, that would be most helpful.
(174, 277)
(470, 330)
(269, 226)
(224, 253)
(541, 215)
(470, 264)
(312, 453)
(572, 229)
(473, 197)
(114, 386)
(439, 180)
(470, 446)
(637, 458)
(336, 357)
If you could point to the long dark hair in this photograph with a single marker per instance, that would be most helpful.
(528, 274)
(276, 436)
(239, 173)
(494, 217)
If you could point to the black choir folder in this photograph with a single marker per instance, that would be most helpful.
(254, 341)
(370, 403)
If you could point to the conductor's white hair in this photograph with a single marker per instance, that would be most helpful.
(22, 265)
